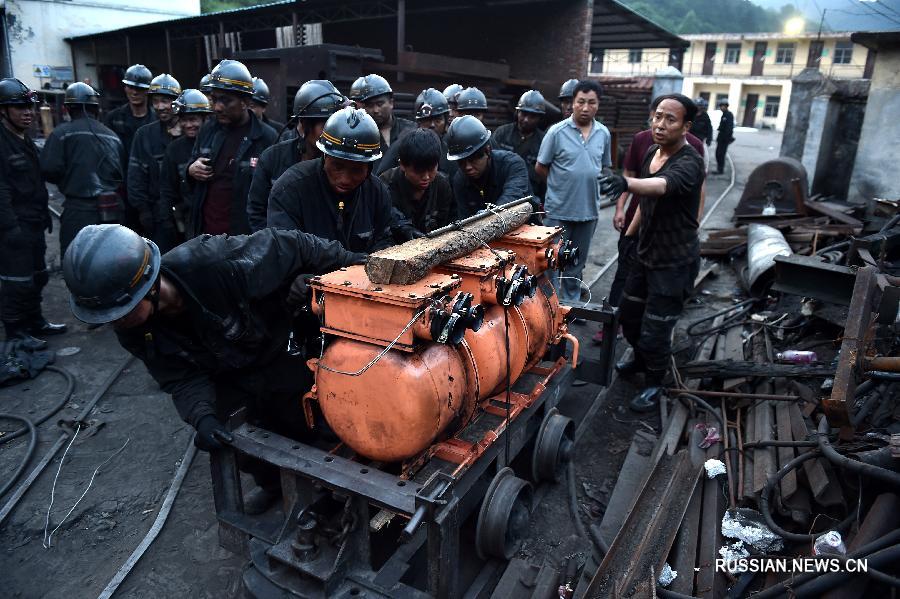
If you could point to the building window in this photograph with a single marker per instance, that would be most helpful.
(772, 105)
(635, 55)
(843, 52)
(732, 53)
(785, 53)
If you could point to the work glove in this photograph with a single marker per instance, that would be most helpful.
(613, 185)
(211, 434)
(359, 258)
(299, 294)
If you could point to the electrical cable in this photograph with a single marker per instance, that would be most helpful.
(506, 433)
(70, 388)
(882, 474)
(705, 406)
(32, 446)
(163, 515)
(667, 594)
(739, 310)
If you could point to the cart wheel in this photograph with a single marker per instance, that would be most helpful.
(504, 516)
(553, 447)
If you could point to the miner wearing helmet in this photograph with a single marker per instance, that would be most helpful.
(145, 160)
(485, 176)
(86, 160)
(314, 102)
(566, 95)
(524, 136)
(450, 93)
(225, 155)
(211, 321)
(374, 93)
(337, 196)
(192, 108)
(137, 111)
(23, 218)
(471, 101)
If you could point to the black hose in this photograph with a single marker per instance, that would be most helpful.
(739, 309)
(867, 406)
(781, 588)
(667, 594)
(32, 445)
(819, 586)
(883, 376)
(704, 406)
(573, 503)
(767, 492)
(863, 468)
(65, 399)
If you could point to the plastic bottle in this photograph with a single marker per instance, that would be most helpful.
(794, 356)
(830, 543)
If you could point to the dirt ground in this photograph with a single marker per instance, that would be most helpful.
(186, 560)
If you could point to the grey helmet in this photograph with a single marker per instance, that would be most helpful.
(471, 99)
(351, 134)
(260, 91)
(165, 85)
(431, 103)
(450, 93)
(465, 136)
(532, 101)
(368, 87)
(81, 93)
(231, 76)
(317, 99)
(192, 101)
(567, 90)
(138, 75)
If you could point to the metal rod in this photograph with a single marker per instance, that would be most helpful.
(734, 395)
(454, 226)
(885, 363)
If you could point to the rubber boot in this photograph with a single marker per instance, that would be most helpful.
(627, 369)
(41, 326)
(648, 399)
(16, 332)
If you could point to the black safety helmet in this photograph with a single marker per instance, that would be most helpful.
(532, 101)
(450, 93)
(317, 99)
(260, 91)
(431, 103)
(81, 93)
(567, 90)
(465, 136)
(369, 86)
(192, 101)
(15, 93)
(351, 134)
(471, 99)
(108, 269)
(231, 76)
(204, 83)
(701, 103)
(165, 85)
(137, 75)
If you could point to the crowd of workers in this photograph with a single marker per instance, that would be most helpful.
(229, 211)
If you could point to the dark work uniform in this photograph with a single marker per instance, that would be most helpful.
(303, 199)
(272, 164)
(220, 204)
(87, 162)
(23, 218)
(432, 211)
(144, 166)
(391, 159)
(504, 181)
(124, 124)
(668, 259)
(173, 192)
(724, 139)
(228, 349)
(507, 137)
(398, 128)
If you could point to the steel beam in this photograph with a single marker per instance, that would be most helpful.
(809, 276)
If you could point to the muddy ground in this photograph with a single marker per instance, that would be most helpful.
(186, 560)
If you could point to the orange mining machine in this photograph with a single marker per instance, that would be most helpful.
(441, 395)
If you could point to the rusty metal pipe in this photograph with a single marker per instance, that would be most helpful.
(763, 244)
(736, 395)
(454, 226)
(574, 341)
(884, 363)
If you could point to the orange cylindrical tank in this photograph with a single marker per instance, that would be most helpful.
(486, 350)
(398, 407)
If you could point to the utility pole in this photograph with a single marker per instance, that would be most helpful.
(821, 22)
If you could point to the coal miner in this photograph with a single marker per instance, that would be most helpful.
(432, 112)
(145, 163)
(23, 218)
(137, 111)
(566, 96)
(450, 92)
(86, 160)
(259, 103)
(192, 109)
(374, 94)
(211, 321)
(314, 102)
(485, 176)
(724, 135)
(524, 136)
(337, 196)
(471, 101)
(225, 154)
(668, 250)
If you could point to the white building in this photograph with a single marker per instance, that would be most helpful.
(33, 32)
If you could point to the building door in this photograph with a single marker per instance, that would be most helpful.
(870, 64)
(759, 57)
(750, 110)
(709, 59)
(815, 54)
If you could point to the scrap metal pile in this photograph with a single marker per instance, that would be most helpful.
(781, 434)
